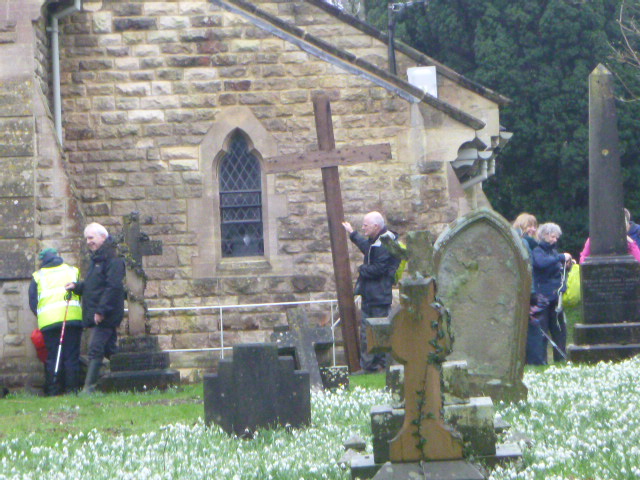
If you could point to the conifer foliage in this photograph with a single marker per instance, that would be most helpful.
(539, 54)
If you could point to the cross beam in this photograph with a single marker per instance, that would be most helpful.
(328, 159)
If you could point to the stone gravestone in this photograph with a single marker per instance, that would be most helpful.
(302, 341)
(415, 441)
(135, 244)
(420, 337)
(484, 280)
(256, 389)
(610, 277)
(139, 364)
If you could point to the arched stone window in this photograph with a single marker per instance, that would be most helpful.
(236, 193)
(241, 227)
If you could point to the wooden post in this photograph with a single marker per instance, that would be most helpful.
(337, 236)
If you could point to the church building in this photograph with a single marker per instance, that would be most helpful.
(177, 110)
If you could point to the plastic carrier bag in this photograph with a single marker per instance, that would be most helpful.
(572, 296)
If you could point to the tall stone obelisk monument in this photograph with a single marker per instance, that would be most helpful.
(610, 277)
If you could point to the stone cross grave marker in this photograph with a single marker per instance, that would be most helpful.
(302, 340)
(610, 328)
(484, 280)
(137, 244)
(418, 337)
(328, 159)
(139, 363)
(256, 389)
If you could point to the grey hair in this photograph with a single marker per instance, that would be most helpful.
(377, 218)
(549, 229)
(97, 229)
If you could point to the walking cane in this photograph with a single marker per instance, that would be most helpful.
(64, 324)
(553, 344)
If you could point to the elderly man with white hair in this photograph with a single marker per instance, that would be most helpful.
(375, 281)
(102, 294)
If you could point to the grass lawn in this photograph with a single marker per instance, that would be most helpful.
(53, 418)
(579, 422)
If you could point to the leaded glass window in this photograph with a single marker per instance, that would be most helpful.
(240, 201)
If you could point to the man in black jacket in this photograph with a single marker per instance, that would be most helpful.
(102, 294)
(375, 280)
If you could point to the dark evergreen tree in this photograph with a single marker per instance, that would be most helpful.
(540, 54)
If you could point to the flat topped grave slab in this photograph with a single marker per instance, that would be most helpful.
(484, 280)
(301, 339)
(256, 389)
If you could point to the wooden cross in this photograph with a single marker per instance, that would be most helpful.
(137, 245)
(302, 340)
(328, 159)
(418, 337)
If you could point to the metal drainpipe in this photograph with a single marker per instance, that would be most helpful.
(55, 63)
(481, 177)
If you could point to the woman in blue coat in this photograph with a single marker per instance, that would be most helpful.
(548, 270)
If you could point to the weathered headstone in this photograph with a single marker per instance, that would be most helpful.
(610, 277)
(473, 417)
(421, 244)
(328, 159)
(414, 440)
(484, 280)
(139, 364)
(256, 389)
(301, 340)
(134, 245)
(418, 338)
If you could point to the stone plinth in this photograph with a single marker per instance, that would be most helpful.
(610, 328)
(609, 277)
(140, 365)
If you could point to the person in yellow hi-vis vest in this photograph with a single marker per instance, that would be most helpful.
(49, 302)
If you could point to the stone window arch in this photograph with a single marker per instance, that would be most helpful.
(239, 125)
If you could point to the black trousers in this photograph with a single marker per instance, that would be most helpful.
(69, 366)
(103, 343)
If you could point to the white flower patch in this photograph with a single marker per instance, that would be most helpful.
(583, 421)
(195, 451)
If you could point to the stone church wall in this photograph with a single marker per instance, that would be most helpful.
(152, 92)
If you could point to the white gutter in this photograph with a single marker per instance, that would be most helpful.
(55, 63)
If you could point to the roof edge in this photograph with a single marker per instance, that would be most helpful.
(313, 45)
(412, 53)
